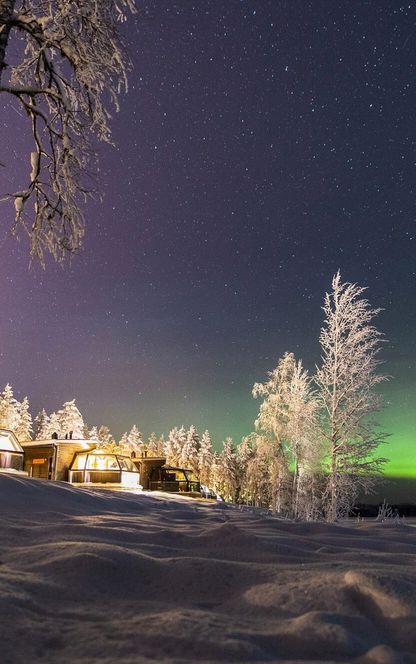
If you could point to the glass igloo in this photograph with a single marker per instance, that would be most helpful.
(11, 452)
(97, 467)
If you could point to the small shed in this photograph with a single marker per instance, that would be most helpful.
(97, 467)
(50, 459)
(11, 452)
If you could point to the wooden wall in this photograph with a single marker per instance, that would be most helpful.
(40, 461)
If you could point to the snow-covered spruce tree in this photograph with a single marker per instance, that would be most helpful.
(72, 69)
(54, 428)
(190, 451)
(155, 445)
(92, 434)
(135, 441)
(245, 453)
(180, 442)
(105, 440)
(227, 471)
(71, 422)
(346, 380)
(205, 458)
(41, 424)
(24, 427)
(215, 475)
(123, 446)
(9, 409)
(170, 449)
(174, 444)
(256, 484)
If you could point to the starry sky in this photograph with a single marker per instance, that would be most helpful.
(263, 145)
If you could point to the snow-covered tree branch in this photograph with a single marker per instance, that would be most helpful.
(71, 74)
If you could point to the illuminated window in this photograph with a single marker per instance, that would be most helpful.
(127, 464)
(102, 467)
(79, 462)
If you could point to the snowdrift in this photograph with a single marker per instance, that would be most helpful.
(97, 576)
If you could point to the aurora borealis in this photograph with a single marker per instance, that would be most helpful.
(263, 145)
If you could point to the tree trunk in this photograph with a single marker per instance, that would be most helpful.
(334, 487)
(6, 13)
(295, 490)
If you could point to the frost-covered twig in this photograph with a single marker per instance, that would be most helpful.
(387, 513)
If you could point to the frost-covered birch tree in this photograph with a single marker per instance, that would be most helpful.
(288, 417)
(273, 420)
(347, 379)
(67, 77)
(246, 452)
(303, 441)
(255, 481)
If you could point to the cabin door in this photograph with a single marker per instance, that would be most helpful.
(41, 468)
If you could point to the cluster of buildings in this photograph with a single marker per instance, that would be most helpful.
(82, 462)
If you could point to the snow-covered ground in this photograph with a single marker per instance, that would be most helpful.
(117, 578)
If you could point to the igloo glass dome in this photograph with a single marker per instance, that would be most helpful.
(97, 467)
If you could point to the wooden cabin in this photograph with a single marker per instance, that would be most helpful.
(11, 452)
(50, 459)
(98, 467)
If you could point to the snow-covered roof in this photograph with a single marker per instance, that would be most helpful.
(9, 442)
(86, 444)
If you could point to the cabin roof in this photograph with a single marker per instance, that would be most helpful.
(177, 468)
(60, 441)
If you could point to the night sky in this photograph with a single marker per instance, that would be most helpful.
(262, 146)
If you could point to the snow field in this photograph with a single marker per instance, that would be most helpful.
(97, 576)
